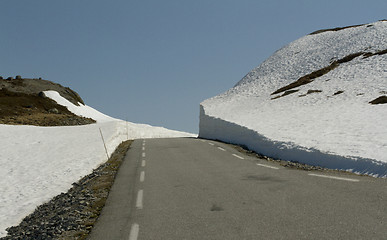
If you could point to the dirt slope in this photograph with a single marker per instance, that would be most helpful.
(22, 103)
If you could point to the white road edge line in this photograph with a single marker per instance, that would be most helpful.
(143, 163)
(333, 177)
(211, 143)
(143, 154)
(142, 176)
(267, 166)
(238, 156)
(140, 195)
(134, 231)
(221, 149)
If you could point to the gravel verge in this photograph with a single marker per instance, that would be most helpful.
(72, 215)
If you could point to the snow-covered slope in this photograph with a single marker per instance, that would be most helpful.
(81, 110)
(38, 163)
(324, 117)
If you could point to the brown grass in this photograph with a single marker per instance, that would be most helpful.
(28, 109)
(35, 86)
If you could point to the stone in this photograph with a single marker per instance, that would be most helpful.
(53, 110)
(41, 94)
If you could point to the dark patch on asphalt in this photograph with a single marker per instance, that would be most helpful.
(262, 178)
(216, 208)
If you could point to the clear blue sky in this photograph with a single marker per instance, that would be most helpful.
(154, 61)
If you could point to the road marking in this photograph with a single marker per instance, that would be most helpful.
(267, 166)
(143, 163)
(333, 177)
(238, 156)
(142, 176)
(202, 140)
(221, 149)
(134, 232)
(211, 143)
(143, 154)
(140, 195)
(143, 148)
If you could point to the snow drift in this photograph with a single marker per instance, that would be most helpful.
(38, 163)
(310, 102)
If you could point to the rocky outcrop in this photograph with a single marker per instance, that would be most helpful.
(34, 86)
(23, 102)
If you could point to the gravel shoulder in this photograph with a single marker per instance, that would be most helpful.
(72, 215)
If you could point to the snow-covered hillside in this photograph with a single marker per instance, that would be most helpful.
(309, 102)
(38, 163)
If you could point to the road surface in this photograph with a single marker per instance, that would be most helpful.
(190, 188)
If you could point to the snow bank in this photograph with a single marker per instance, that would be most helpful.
(38, 163)
(324, 128)
(81, 110)
(218, 129)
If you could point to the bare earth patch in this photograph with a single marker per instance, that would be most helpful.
(285, 94)
(20, 105)
(310, 92)
(379, 100)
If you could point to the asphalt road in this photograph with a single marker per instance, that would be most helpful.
(199, 189)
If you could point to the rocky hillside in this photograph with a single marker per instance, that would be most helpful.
(22, 102)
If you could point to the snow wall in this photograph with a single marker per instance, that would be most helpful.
(219, 129)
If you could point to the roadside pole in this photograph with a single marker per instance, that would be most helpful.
(104, 144)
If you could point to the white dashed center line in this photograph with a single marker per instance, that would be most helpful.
(221, 149)
(134, 232)
(238, 156)
(143, 163)
(211, 143)
(143, 148)
(143, 154)
(333, 177)
(267, 166)
(140, 195)
(142, 176)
